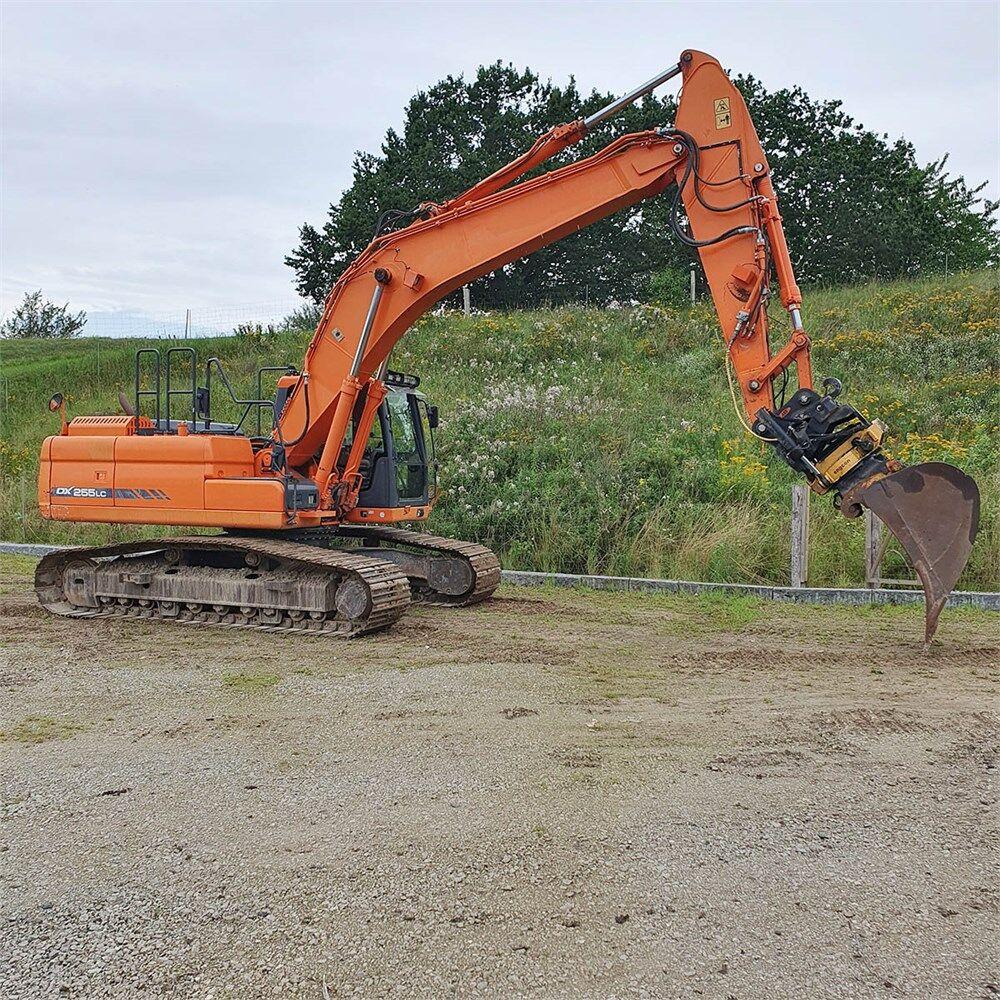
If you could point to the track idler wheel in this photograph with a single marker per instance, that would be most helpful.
(933, 510)
(352, 600)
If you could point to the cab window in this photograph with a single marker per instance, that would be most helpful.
(411, 473)
(401, 419)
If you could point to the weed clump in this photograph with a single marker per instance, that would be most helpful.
(250, 682)
(41, 729)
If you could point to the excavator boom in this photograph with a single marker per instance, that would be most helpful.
(315, 468)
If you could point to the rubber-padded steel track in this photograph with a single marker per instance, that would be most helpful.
(482, 561)
(387, 589)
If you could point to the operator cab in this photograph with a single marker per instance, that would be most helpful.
(399, 467)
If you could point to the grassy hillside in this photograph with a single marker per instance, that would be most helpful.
(605, 441)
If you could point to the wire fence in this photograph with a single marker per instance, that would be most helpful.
(678, 288)
(208, 321)
(218, 321)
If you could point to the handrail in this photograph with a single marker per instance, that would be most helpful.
(155, 392)
(163, 391)
(245, 403)
(170, 393)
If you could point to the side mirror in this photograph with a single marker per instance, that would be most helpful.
(432, 417)
(57, 404)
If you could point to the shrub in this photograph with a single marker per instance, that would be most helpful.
(670, 287)
(256, 334)
(36, 317)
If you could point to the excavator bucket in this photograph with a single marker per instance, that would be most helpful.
(933, 510)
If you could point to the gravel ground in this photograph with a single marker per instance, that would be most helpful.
(559, 794)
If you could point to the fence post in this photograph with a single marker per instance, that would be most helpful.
(694, 285)
(466, 300)
(187, 323)
(24, 510)
(800, 535)
(874, 550)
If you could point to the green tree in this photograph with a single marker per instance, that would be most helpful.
(855, 203)
(454, 134)
(37, 317)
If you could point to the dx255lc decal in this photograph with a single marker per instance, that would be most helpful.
(106, 493)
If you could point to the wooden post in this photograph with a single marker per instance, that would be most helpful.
(187, 323)
(466, 300)
(874, 550)
(800, 535)
(694, 286)
(877, 540)
(24, 510)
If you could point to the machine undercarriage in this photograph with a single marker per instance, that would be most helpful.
(339, 583)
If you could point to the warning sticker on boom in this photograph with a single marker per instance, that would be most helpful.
(723, 119)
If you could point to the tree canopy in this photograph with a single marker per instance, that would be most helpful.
(855, 204)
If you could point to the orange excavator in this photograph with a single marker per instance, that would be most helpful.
(310, 508)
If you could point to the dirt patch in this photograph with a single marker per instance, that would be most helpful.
(558, 794)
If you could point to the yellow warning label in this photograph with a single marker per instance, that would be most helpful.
(723, 119)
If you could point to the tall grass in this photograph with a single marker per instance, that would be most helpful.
(604, 440)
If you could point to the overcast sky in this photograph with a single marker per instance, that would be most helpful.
(160, 156)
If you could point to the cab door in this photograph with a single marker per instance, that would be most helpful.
(407, 449)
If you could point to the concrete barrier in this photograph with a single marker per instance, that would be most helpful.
(804, 595)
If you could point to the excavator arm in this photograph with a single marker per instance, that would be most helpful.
(711, 164)
(712, 161)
